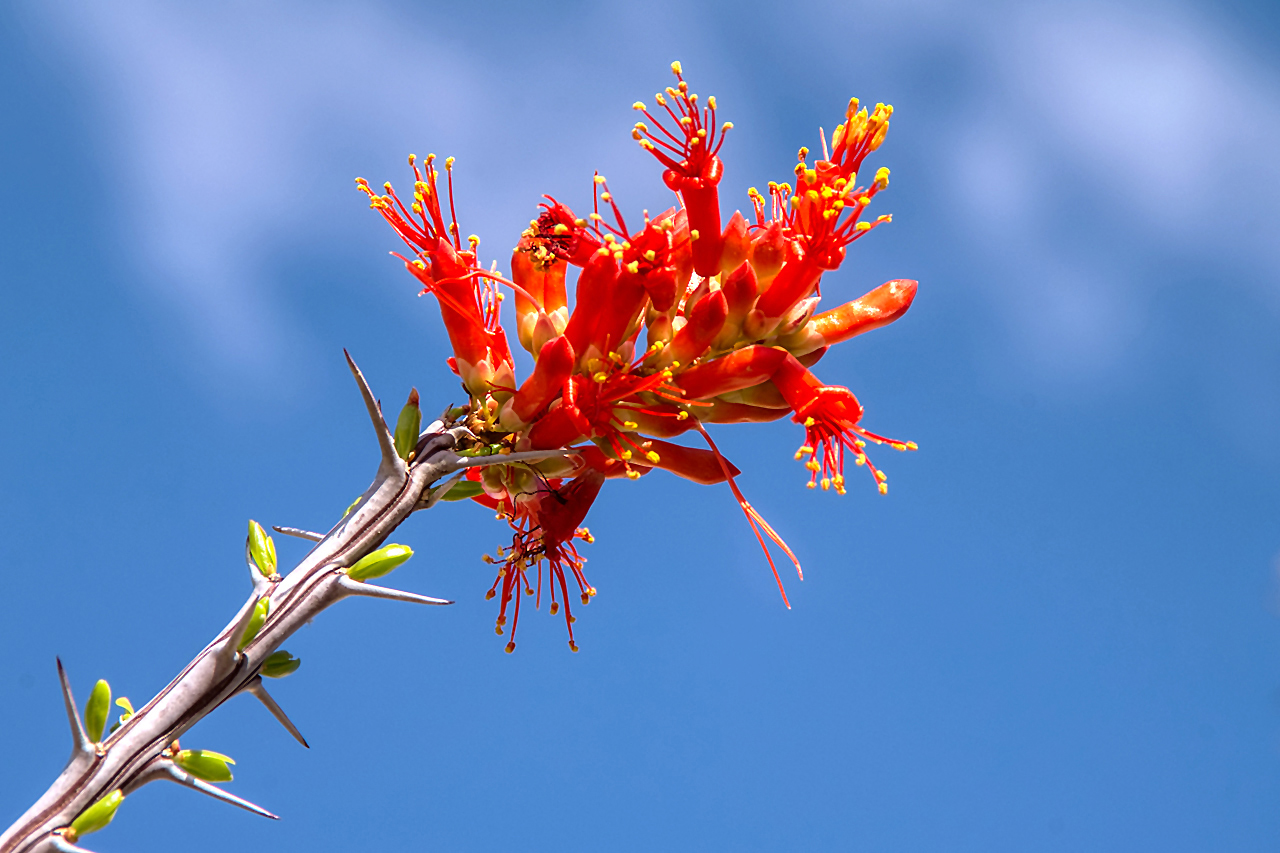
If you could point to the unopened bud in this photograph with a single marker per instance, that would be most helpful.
(380, 562)
(95, 817)
(205, 764)
(280, 664)
(260, 611)
(262, 549)
(407, 426)
(96, 710)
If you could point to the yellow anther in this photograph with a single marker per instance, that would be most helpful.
(599, 179)
(601, 376)
(555, 608)
(826, 484)
(682, 416)
(560, 229)
(693, 233)
(702, 133)
(633, 267)
(625, 456)
(728, 125)
(884, 488)
(662, 102)
(809, 422)
(860, 460)
(638, 105)
(813, 465)
(630, 425)
(653, 457)
(633, 475)
(387, 186)
(911, 445)
(449, 161)
(606, 196)
(711, 101)
(863, 226)
(859, 443)
(676, 67)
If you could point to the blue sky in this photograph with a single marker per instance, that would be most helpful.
(1057, 632)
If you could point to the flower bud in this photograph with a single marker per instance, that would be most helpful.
(95, 817)
(737, 244)
(380, 562)
(205, 764)
(408, 425)
(96, 710)
(262, 549)
(260, 611)
(280, 664)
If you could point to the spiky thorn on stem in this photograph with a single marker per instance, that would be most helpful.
(258, 691)
(299, 533)
(373, 591)
(163, 768)
(80, 743)
(391, 461)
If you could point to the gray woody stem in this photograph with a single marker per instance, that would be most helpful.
(132, 755)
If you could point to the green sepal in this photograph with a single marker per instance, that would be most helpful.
(280, 664)
(260, 611)
(205, 764)
(262, 549)
(97, 709)
(380, 562)
(463, 491)
(96, 816)
(408, 425)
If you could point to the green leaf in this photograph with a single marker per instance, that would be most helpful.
(463, 491)
(262, 549)
(408, 425)
(96, 816)
(380, 562)
(96, 710)
(260, 611)
(280, 664)
(205, 764)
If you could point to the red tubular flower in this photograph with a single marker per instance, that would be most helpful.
(544, 532)
(697, 170)
(733, 345)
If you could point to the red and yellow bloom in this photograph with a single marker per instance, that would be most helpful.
(729, 321)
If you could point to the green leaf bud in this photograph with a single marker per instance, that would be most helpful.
(123, 702)
(205, 764)
(408, 425)
(95, 817)
(260, 611)
(96, 710)
(354, 504)
(380, 562)
(262, 549)
(463, 491)
(280, 664)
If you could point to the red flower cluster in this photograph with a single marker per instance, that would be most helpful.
(729, 323)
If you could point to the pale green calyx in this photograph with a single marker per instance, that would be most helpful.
(407, 426)
(96, 710)
(95, 817)
(280, 664)
(380, 562)
(205, 764)
(260, 611)
(262, 549)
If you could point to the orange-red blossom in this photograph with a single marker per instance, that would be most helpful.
(675, 325)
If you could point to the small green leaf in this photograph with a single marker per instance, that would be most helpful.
(260, 611)
(205, 764)
(280, 664)
(463, 491)
(96, 710)
(408, 425)
(95, 817)
(354, 503)
(380, 562)
(262, 549)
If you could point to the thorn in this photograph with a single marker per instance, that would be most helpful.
(298, 532)
(260, 692)
(505, 458)
(391, 461)
(182, 777)
(431, 497)
(79, 737)
(62, 845)
(372, 591)
(227, 651)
